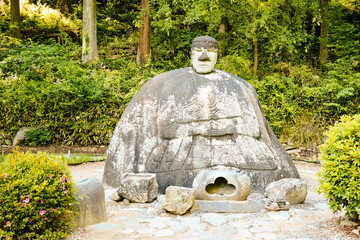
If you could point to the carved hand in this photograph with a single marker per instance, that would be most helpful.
(216, 132)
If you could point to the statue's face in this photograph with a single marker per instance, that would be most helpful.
(203, 60)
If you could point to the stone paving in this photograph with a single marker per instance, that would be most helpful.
(141, 222)
(150, 221)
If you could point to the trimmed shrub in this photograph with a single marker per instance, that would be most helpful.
(36, 197)
(340, 156)
(38, 136)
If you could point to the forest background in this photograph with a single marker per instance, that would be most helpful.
(301, 56)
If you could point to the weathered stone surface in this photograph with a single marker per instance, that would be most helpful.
(221, 185)
(348, 222)
(115, 197)
(91, 202)
(227, 206)
(272, 204)
(20, 135)
(179, 199)
(181, 122)
(292, 190)
(256, 197)
(138, 187)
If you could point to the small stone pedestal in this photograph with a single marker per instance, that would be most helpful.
(221, 185)
(91, 202)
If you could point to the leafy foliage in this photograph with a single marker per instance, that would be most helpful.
(38, 136)
(43, 85)
(37, 197)
(42, 22)
(340, 156)
(301, 105)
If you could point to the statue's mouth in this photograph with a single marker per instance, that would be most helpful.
(205, 64)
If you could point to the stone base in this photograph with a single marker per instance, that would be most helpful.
(227, 206)
(90, 204)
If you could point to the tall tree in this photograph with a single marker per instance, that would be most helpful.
(89, 43)
(144, 36)
(324, 51)
(15, 18)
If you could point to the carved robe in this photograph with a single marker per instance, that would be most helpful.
(181, 122)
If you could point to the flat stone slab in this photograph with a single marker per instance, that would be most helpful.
(227, 206)
(279, 216)
(105, 226)
(225, 230)
(214, 219)
(164, 233)
(266, 236)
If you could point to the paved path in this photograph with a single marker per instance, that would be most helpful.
(149, 221)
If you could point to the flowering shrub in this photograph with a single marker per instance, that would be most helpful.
(36, 197)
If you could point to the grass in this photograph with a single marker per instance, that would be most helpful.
(79, 159)
(71, 159)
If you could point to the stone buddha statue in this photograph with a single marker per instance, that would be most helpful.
(186, 120)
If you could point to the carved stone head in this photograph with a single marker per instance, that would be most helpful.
(204, 54)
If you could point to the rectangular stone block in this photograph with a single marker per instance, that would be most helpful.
(138, 187)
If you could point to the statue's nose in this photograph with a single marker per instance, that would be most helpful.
(204, 56)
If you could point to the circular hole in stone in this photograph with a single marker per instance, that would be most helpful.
(220, 187)
(221, 181)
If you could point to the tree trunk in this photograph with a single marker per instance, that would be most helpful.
(222, 27)
(256, 55)
(15, 18)
(144, 38)
(89, 41)
(324, 51)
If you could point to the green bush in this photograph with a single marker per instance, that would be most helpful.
(38, 136)
(42, 85)
(340, 156)
(36, 197)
